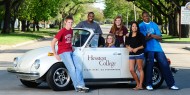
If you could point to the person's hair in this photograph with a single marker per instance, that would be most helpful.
(114, 26)
(134, 22)
(138, 29)
(113, 39)
(69, 17)
(90, 13)
(145, 12)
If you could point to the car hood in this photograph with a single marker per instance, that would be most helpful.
(26, 61)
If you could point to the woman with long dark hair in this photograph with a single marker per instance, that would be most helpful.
(135, 43)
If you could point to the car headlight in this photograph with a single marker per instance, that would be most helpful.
(36, 64)
(15, 61)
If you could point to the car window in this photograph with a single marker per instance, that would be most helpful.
(94, 41)
(79, 37)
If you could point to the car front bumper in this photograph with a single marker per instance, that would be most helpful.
(24, 76)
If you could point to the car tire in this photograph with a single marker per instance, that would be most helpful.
(58, 77)
(157, 78)
(29, 83)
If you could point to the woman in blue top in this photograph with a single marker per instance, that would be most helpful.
(135, 44)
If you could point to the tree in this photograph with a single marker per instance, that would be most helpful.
(122, 8)
(37, 10)
(2, 12)
(99, 16)
(72, 8)
(114, 9)
(9, 5)
(167, 10)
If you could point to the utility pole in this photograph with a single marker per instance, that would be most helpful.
(134, 8)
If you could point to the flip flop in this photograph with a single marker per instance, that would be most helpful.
(140, 88)
(136, 88)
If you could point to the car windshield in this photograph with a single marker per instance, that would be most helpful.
(94, 41)
(79, 37)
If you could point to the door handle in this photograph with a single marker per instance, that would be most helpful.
(116, 53)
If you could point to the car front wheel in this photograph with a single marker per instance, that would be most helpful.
(29, 83)
(58, 78)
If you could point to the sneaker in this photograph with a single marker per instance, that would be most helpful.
(174, 87)
(85, 88)
(82, 89)
(149, 88)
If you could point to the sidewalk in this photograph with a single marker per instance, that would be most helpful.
(5, 47)
(8, 53)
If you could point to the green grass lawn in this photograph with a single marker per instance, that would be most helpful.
(19, 37)
(167, 38)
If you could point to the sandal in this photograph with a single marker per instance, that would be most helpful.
(136, 88)
(140, 88)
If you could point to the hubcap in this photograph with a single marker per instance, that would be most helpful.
(156, 76)
(61, 77)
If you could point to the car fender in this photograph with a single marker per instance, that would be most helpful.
(46, 63)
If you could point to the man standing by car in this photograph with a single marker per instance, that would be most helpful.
(154, 50)
(65, 53)
(90, 24)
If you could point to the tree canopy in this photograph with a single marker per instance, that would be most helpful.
(163, 12)
(37, 10)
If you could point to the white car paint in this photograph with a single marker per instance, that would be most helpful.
(97, 62)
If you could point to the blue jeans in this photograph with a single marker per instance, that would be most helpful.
(74, 67)
(164, 67)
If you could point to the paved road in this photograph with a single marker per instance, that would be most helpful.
(10, 85)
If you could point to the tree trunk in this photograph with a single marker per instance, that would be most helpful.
(60, 25)
(23, 25)
(171, 26)
(34, 26)
(13, 23)
(44, 24)
(19, 25)
(176, 32)
(28, 26)
(7, 17)
(188, 31)
(166, 25)
(0, 25)
(13, 26)
(37, 26)
(160, 23)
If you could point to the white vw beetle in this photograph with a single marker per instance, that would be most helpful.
(100, 64)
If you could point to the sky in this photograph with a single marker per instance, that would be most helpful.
(100, 4)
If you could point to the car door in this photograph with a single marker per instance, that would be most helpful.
(101, 62)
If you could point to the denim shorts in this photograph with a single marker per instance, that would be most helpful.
(140, 56)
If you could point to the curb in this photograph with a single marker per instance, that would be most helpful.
(5, 47)
(182, 42)
(3, 68)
